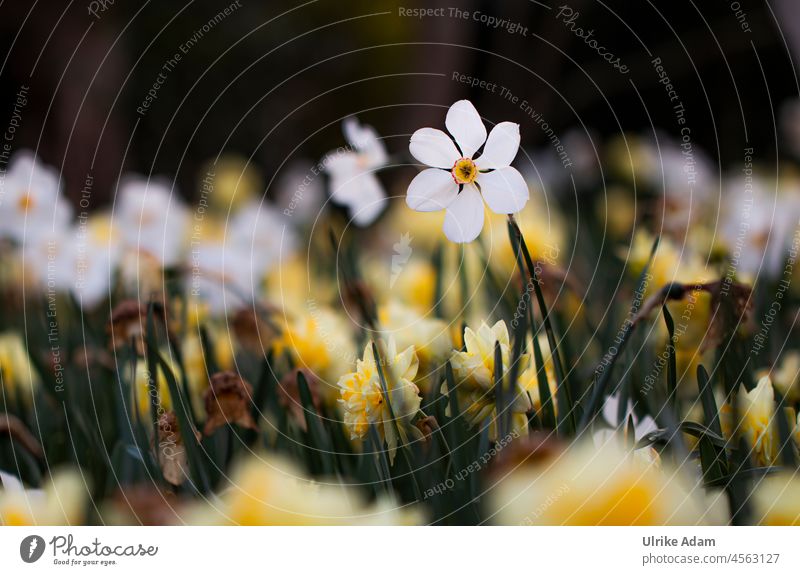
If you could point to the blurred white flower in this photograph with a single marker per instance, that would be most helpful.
(760, 222)
(221, 277)
(299, 193)
(152, 219)
(228, 273)
(458, 183)
(96, 257)
(30, 199)
(352, 173)
(264, 234)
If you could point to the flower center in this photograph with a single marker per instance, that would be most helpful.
(464, 171)
(26, 203)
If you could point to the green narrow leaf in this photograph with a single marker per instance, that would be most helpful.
(672, 367)
(401, 435)
(710, 410)
(316, 431)
(152, 371)
(566, 412)
(502, 403)
(187, 429)
(786, 441)
(438, 266)
(601, 383)
(712, 461)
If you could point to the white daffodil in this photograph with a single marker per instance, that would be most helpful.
(229, 269)
(459, 183)
(642, 426)
(263, 234)
(299, 193)
(98, 248)
(759, 222)
(221, 277)
(30, 199)
(352, 173)
(152, 219)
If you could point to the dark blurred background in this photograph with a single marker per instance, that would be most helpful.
(273, 79)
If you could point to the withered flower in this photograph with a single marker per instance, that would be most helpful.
(128, 322)
(533, 449)
(171, 450)
(252, 332)
(427, 425)
(146, 505)
(227, 401)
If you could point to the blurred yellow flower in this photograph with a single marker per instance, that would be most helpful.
(233, 181)
(776, 500)
(142, 388)
(542, 227)
(320, 341)
(18, 376)
(61, 502)
(601, 485)
(267, 490)
(364, 401)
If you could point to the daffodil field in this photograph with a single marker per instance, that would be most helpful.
(451, 326)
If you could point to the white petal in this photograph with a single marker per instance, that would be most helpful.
(370, 203)
(433, 148)
(431, 190)
(466, 126)
(340, 164)
(464, 219)
(366, 141)
(501, 147)
(504, 190)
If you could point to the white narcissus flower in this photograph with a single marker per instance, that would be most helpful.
(459, 183)
(31, 200)
(352, 173)
(152, 218)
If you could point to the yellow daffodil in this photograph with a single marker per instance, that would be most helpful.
(365, 403)
(474, 378)
(60, 502)
(142, 386)
(758, 424)
(19, 377)
(429, 336)
(776, 500)
(529, 379)
(787, 376)
(320, 341)
(265, 490)
(600, 485)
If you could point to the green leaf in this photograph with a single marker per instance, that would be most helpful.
(672, 367)
(566, 412)
(316, 430)
(700, 431)
(501, 393)
(710, 410)
(187, 429)
(601, 383)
